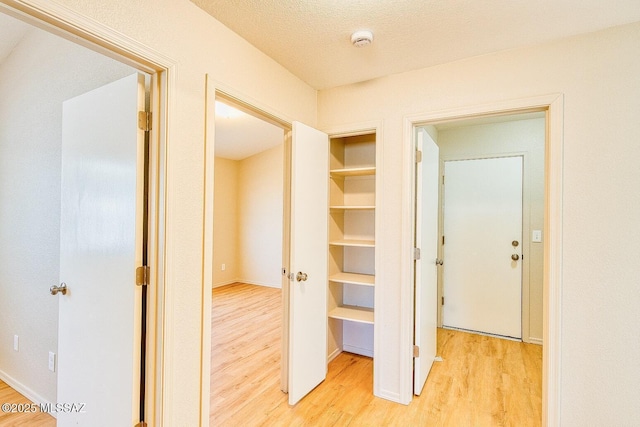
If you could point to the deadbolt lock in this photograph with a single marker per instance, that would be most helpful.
(515, 243)
(61, 289)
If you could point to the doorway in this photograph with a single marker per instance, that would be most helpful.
(248, 247)
(551, 109)
(30, 188)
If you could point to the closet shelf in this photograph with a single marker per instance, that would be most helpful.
(353, 278)
(354, 243)
(353, 314)
(346, 208)
(354, 171)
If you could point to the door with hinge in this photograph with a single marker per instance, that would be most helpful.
(307, 362)
(100, 247)
(426, 266)
(483, 247)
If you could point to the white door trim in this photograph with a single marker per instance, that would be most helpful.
(69, 24)
(553, 104)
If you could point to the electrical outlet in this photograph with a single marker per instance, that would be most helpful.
(16, 343)
(52, 361)
(224, 267)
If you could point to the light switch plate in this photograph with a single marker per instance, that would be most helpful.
(536, 236)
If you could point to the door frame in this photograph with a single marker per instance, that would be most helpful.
(79, 29)
(553, 106)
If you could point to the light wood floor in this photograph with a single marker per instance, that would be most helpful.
(483, 381)
(39, 419)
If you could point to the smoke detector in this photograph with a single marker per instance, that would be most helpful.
(362, 38)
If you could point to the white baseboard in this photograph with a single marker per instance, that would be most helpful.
(358, 350)
(268, 285)
(24, 390)
(220, 284)
(333, 355)
(537, 341)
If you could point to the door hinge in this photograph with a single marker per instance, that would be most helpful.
(443, 239)
(142, 275)
(416, 351)
(144, 120)
(418, 156)
(442, 179)
(442, 301)
(416, 254)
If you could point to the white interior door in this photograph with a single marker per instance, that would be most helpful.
(426, 273)
(482, 217)
(100, 248)
(308, 261)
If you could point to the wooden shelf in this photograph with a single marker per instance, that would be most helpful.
(346, 208)
(354, 243)
(354, 171)
(353, 278)
(353, 314)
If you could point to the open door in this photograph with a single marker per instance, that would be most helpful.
(426, 273)
(100, 248)
(308, 261)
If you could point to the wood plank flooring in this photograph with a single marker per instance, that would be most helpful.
(483, 381)
(38, 419)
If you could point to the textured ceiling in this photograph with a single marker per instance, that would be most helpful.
(311, 38)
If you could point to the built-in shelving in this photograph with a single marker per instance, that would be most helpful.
(352, 243)
(353, 278)
(352, 208)
(364, 171)
(353, 314)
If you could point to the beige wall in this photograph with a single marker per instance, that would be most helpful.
(526, 137)
(248, 219)
(598, 75)
(41, 72)
(260, 202)
(225, 222)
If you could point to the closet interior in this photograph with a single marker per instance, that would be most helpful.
(352, 280)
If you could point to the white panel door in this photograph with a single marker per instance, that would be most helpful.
(426, 273)
(100, 248)
(308, 261)
(482, 217)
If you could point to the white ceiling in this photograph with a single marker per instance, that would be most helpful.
(239, 135)
(311, 38)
